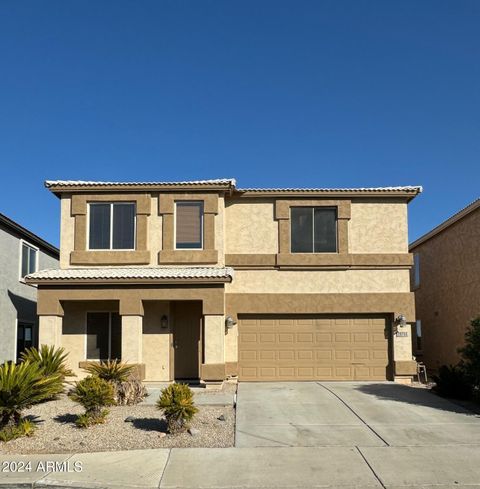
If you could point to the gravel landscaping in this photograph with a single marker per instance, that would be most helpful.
(57, 433)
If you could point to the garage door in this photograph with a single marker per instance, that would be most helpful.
(312, 348)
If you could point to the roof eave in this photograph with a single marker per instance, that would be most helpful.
(125, 281)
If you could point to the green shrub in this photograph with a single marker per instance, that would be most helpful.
(52, 361)
(471, 353)
(93, 393)
(25, 427)
(176, 401)
(110, 370)
(21, 386)
(85, 420)
(452, 381)
(129, 392)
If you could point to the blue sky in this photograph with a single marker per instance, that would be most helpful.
(273, 93)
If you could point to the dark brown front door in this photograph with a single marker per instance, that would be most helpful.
(187, 318)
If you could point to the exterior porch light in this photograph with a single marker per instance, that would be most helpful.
(401, 320)
(164, 322)
(230, 322)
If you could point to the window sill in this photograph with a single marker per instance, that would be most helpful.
(192, 257)
(110, 257)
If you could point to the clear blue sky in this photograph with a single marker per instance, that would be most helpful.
(273, 93)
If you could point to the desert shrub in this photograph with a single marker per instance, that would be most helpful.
(52, 361)
(25, 427)
(452, 381)
(471, 353)
(129, 392)
(176, 402)
(110, 370)
(21, 386)
(94, 394)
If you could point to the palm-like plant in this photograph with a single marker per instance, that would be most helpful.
(21, 386)
(110, 370)
(176, 401)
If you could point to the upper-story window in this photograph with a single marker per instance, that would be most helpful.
(111, 226)
(28, 259)
(313, 230)
(188, 225)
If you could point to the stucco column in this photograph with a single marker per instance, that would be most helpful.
(132, 339)
(405, 367)
(214, 339)
(50, 330)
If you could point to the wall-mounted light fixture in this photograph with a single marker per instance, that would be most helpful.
(229, 322)
(401, 320)
(164, 321)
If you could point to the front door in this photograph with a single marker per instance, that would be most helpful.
(187, 317)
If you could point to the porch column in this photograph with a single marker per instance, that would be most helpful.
(213, 369)
(405, 366)
(50, 330)
(132, 339)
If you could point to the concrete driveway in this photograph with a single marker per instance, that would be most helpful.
(349, 414)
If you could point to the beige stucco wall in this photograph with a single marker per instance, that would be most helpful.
(67, 229)
(214, 339)
(50, 330)
(220, 232)
(250, 227)
(156, 342)
(231, 344)
(154, 232)
(335, 281)
(378, 228)
(402, 345)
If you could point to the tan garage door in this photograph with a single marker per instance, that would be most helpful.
(312, 348)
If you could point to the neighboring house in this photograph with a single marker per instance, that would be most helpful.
(204, 280)
(446, 281)
(21, 253)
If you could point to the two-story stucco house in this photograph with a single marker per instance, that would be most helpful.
(204, 280)
(446, 281)
(21, 253)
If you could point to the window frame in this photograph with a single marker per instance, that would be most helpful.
(201, 204)
(110, 313)
(111, 204)
(23, 323)
(37, 258)
(313, 208)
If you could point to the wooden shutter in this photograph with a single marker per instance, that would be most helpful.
(189, 224)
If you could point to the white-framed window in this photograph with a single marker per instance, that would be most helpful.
(28, 259)
(188, 225)
(313, 230)
(103, 336)
(111, 225)
(416, 270)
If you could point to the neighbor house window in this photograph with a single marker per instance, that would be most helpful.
(24, 337)
(416, 270)
(104, 336)
(314, 230)
(111, 226)
(28, 259)
(188, 225)
(418, 334)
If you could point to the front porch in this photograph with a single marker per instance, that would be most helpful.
(172, 333)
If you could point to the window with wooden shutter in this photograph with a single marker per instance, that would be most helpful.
(189, 225)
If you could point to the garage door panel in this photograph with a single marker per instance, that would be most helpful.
(312, 348)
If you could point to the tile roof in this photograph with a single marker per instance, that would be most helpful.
(150, 273)
(447, 223)
(89, 183)
(407, 188)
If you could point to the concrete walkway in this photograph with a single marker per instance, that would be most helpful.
(267, 467)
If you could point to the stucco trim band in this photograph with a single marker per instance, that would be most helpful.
(110, 257)
(406, 367)
(373, 303)
(213, 371)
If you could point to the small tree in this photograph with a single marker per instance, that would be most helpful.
(471, 353)
(176, 401)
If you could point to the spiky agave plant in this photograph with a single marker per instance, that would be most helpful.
(110, 370)
(21, 386)
(177, 404)
(52, 361)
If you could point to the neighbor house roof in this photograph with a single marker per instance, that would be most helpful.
(141, 274)
(32, 238)
(229, 184)
(445, 224)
